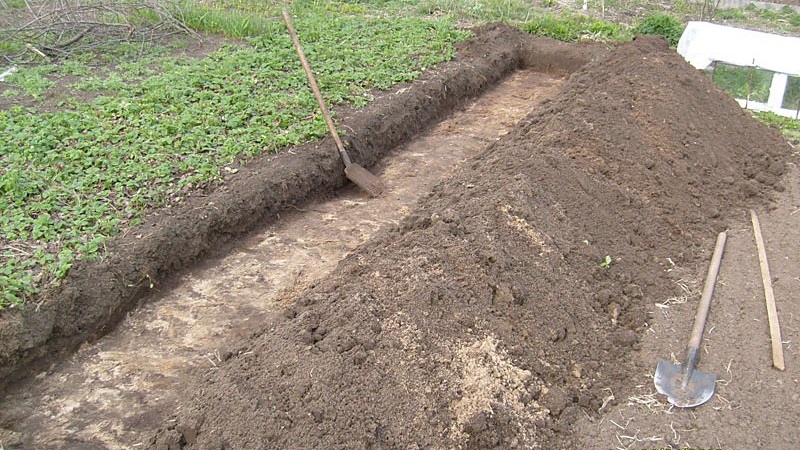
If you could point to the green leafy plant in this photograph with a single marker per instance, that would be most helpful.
(32, 81)
(731, 14)
(572, 28)
(791, 97)
(788, 126)
(73, 67)
(661, 24)
(606, 263)
(743, 82)
(111, 82)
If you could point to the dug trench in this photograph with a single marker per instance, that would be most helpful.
(487, 317)
(96, 295)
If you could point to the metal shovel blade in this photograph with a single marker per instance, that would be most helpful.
(362, 178)
(669, 380)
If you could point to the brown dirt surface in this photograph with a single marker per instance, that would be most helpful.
(484, 319)
(750, 394)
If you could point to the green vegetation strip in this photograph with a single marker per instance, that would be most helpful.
(789, 127)
(72, 178)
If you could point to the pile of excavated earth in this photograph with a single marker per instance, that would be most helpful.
(490, 316)
(500, 311)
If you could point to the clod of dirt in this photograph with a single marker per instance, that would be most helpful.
(640, 158)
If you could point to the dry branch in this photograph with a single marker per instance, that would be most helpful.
(62, 27)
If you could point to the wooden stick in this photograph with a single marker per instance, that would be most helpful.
(772, 312)
(37, 51)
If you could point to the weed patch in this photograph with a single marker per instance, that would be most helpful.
(731, 14)
(230, 22)
(661, 24)
(784, 20)
(489, 10)
(32, 81)
(572, 28)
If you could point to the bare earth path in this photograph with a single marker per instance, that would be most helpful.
(112, 393)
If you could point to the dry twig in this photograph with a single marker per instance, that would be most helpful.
(55, 29)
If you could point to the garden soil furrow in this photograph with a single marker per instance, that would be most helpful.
(510, 301)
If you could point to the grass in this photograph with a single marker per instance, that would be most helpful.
(574, 27)
(785, 20)
(230, 22)
(786, 14)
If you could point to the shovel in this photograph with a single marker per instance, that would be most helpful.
(684, 386)
(355, 173)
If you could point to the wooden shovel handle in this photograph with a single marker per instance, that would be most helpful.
(313, 83)
(708, 290)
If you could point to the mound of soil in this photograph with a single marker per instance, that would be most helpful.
(486, 319)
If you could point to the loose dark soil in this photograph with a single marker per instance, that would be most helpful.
(136, 375)
(485, 319)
